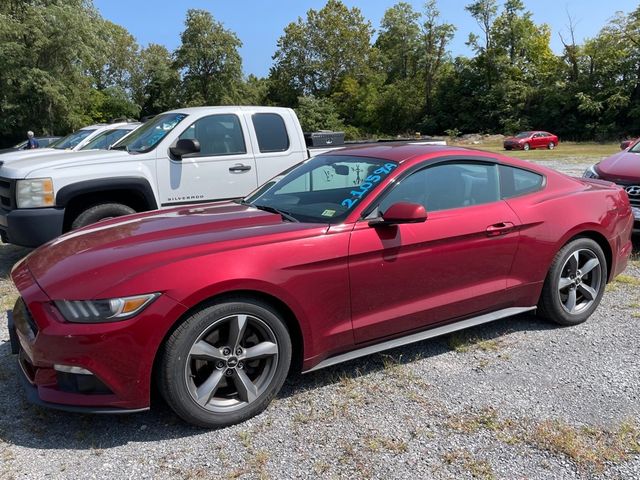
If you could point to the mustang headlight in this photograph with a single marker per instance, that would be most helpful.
(34, 193)
(591, 172)
(108, 310)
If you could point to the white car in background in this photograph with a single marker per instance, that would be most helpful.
(73, 142)
(106, 138)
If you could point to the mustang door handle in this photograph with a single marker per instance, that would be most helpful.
(499, 228)
(238, 167)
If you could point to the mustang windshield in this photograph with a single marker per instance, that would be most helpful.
(324, 189)
(72, 139)
(145, 138)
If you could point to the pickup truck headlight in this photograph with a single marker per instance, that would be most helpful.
(591, 172)
(108, 310)
(35, 193)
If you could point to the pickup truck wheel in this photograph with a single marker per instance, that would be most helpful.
(575, 283)
(102, 211)
(225, 363)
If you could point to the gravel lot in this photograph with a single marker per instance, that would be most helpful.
(519, 398)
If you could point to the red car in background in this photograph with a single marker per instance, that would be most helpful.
(627, 143)
(533, 139)
(350, 253)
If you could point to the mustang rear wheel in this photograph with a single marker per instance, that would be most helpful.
(575, 283)
(225, 363)
(551, 146)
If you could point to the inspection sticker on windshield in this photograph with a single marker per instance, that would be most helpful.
(328, 213)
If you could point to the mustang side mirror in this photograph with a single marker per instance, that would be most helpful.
(185, 146)
(402, 212)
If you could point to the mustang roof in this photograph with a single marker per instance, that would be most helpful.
(400, 152)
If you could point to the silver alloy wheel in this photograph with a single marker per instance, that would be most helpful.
(551, 146)
(526, 147)
(580, 281)
(231, 363)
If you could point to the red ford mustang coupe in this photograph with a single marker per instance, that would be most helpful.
(529, 140)
(350, 253)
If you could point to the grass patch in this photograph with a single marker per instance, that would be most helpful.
(620, 281)
(8, 294)
(382, 444)
(461, 342)
(485, 419)
(627, 280)
(588, 447)
(477, 468)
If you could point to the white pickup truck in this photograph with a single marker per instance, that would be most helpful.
(184, 156)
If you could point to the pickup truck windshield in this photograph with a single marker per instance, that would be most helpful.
(323, 190)
(72, 139)
(145, 138)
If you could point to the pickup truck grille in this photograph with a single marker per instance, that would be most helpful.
(7, 193)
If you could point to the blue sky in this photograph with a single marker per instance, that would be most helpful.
(259, 24)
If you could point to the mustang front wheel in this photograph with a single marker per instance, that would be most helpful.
(575, 283)
(225, 363)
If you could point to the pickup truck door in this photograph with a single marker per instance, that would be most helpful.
(223, 169)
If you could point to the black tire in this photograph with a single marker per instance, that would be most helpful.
(551, 146)
(555, 298)
(182, 374)
(526, 147)
(507, 148)
(101, 211)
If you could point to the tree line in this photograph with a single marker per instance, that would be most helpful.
(63, 66)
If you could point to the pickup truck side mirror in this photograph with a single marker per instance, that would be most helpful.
(402, 212)
(185, 146)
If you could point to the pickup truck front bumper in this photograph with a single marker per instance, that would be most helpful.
(31, 227)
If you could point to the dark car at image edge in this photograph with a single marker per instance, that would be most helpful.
(350, 253)
(623, 169)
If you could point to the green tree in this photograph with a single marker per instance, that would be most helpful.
(156, 81)
(399, 41)
(46, 48)
(318, 114)
(113, 64)
(315, 54)
(436, 37)
(255, 91)
(209, 60)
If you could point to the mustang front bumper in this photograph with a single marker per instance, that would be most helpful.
(98, 368)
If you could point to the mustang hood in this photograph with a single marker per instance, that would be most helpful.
(623, 166)
(83, 263)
